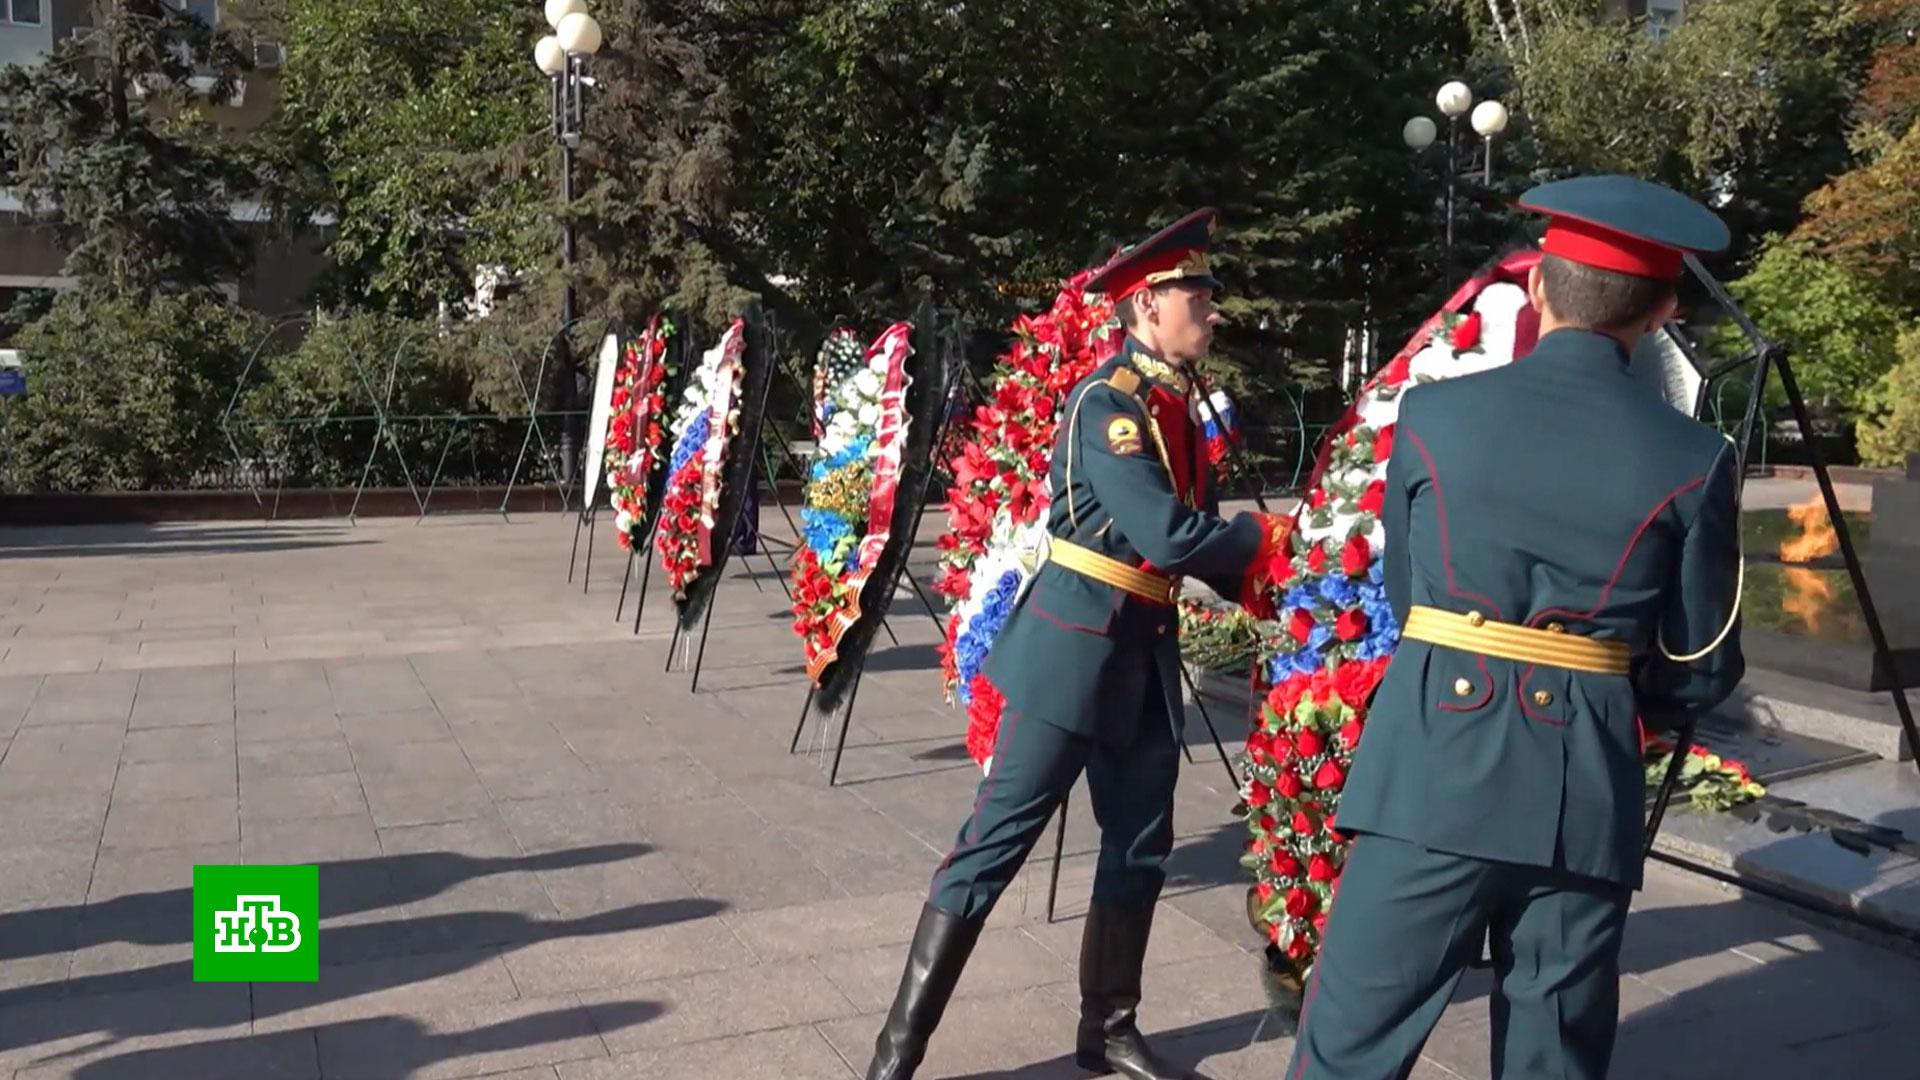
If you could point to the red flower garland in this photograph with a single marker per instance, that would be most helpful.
(679, 538)
(1000, 473)
(635, 431)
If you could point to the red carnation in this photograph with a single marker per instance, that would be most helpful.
(1309, 742)
(1267, 824)
(1300, 902)
(1466, 332)
(1319, 868)
(1330, 777)
(1317, 498)
(1287, 784)
(1265, 892)
(1258, 794)
(1317, 558)
(1356, 556)
(1354, 680)
(1350, 734)
(1297, 949)
(1320, 924)
(1351, 625)
(1301, 626)
(1383, 443)
(1302, 823)
(1374, 499)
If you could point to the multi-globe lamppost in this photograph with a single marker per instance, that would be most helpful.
(1489, 119)
(562, 55)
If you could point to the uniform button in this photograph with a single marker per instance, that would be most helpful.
(1474, 618)
(1161, 629)
(1463, 687)
(1556, 628)
(1542, 698)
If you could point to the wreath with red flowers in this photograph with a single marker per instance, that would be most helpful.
(997, 504)
(846, 513)
(636, 429)
(707, 420)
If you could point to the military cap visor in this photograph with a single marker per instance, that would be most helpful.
(1177, 253)
(1625, 224)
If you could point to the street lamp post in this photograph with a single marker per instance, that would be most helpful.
(1489, 119)
(562, 56)
(1454, 99)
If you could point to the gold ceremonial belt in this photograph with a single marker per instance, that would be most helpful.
(1475, 633)
(1149, 587)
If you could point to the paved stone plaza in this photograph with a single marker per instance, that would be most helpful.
(543, 858)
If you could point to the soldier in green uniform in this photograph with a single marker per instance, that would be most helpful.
(1088, 663)
(1563, 553)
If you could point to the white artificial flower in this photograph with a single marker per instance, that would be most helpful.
(869, 415)
(868, 383)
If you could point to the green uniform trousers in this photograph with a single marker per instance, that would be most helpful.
(1405, 924)
(1035, 764)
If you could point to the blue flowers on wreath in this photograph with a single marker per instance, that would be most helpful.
(827, 531)
(1325, 599)
(970, 648)
(691, 440)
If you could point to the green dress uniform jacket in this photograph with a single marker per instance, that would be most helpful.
(1559, 494)
(1090, 671)
(1132, 483)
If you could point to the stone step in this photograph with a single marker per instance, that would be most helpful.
(1879, 887)
(1770, 699)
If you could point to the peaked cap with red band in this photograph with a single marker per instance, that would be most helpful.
(1624, 224)
(1175, 253)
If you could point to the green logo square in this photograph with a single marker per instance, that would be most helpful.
(256, 924)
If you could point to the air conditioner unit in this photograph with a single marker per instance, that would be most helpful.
(269, 55)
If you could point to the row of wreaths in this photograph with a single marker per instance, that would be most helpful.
(876, 405)
(680, 443)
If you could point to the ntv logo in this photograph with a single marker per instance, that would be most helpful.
(256, 925)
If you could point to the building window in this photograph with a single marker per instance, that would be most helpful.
(207, 11)
(23, 12)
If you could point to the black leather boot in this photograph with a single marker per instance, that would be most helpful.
(1113, 949)
(941, 945)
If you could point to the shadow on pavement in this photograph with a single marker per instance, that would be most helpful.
(347, 887)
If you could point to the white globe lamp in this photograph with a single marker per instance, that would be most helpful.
(1489, 118)
(1419, 133)
(579, 34)
(1454, 98)
(558, 10)
(549, 57)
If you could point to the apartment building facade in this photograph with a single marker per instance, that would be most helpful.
(283, 269)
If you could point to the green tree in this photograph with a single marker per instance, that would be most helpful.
(105, 145)
(396, 118)
(1868, 219)
(1890, 429)
(1744, 102)
(127, 393)
(1842, 330)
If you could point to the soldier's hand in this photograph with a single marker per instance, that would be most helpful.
(1273, 563)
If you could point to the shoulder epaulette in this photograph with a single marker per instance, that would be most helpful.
(1126, 380)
